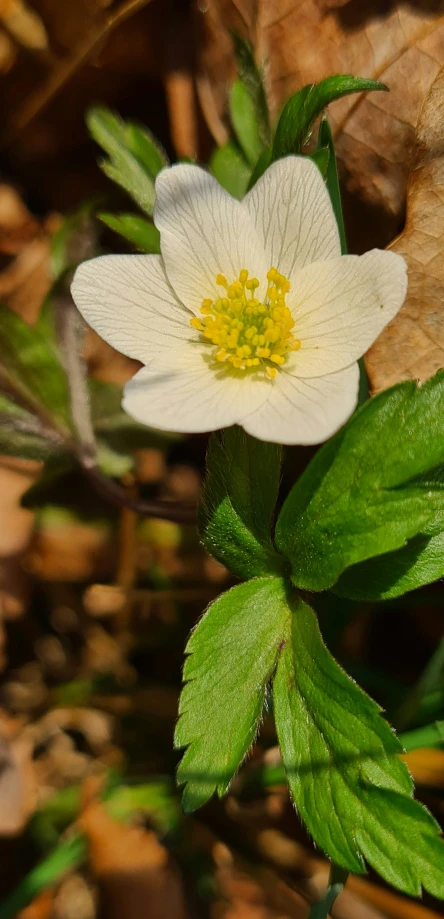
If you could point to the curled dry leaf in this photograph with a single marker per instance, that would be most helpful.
(412, 346)
(302, 41)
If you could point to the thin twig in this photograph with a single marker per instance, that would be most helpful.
(37, 101)
(117, 495)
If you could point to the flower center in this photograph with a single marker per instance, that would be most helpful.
(246, 332)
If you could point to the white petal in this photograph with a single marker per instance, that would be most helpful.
(292, 212)
(340, 307)
(203, 232)
(128, 301)
(190, 397)
(305, 411)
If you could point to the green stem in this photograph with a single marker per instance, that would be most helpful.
(336, 883)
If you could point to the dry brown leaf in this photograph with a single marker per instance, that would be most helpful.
(131, 866)
(8, 52)
(40, 908)
(412, 346)
(18, 784)
(303, 41)
(426, 766)
(24, 24)
(16, 476)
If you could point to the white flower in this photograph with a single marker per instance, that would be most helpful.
(250, 315)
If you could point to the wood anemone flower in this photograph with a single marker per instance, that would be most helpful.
(250, 315)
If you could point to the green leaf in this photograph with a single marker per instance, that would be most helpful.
(138, 231)
(113, 462)
(30, 365)
(362, 495)
(21, 434)
(261, 165)
(243, 117)
(69, 854)
(426, 698)
(232, 655)
(238, 501)
(125, 171)
(230, 169)
(134, 157)
(144, 146)
(251, 76)
(298, 115)
(321, 157)
(349, 786)
(385, 577)
(325, 142)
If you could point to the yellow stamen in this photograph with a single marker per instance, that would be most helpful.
(249, 334)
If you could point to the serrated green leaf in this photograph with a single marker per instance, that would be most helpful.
(349, 786)
(362, 495)
(125, 171)
(230, 169)
(238, 502)
(30, 365)
(144, 146)
(134, 157)
(299, 113)
(232, 655)
(244, 121)
(138, 231)
(107, 129)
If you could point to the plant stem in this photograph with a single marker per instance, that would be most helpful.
(117, 495)
(337, 880)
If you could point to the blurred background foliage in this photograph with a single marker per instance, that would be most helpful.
(99, 590)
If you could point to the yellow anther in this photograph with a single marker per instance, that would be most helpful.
(252, 284)
(248, 334)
